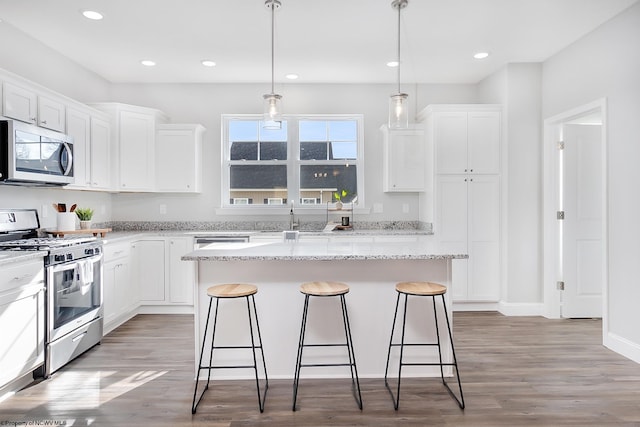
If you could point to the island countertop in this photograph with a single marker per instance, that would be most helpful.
(422, 248)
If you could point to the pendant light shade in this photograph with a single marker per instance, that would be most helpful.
(398, 105)
(272, 112)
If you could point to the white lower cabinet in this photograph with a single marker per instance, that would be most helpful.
(21, 320)
(148, 258)
(119, 290)
(468, 221)
(166, 282)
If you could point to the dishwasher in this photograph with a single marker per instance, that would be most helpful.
(202, 241)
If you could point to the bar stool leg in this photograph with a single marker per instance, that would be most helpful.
(455, 361)
(195, 403)
(396, 398)
(352, 354)
(253, 348)
(303, 327)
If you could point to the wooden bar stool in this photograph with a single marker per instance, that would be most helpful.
(421, 289)
(228, 291)
(327, 289)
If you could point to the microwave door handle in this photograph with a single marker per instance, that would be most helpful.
(69, 165)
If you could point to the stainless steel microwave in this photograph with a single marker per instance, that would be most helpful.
(31, 155)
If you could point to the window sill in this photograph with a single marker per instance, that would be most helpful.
(283, 210)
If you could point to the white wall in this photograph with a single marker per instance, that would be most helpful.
(606, 64)
(33, 60)
(517, 87)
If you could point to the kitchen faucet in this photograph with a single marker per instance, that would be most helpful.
(292, 223)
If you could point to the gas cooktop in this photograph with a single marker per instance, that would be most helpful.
(45, 243)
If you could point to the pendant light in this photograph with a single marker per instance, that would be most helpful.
(272, 118)
(398, 108)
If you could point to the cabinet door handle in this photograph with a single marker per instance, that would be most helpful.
(20, 278)
(44, 122)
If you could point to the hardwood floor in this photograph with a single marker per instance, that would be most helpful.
(515, 371)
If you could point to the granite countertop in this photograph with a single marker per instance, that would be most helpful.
(421, 249)
(10, 257)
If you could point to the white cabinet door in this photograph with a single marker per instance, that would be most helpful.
(79, 127)
(136, 151)
(451, 223)
(100, 159)
(120, 296)
(484, 238)
(404, 160)
(468, 221)
(484, 142)
(51, 114)
(19, 103)
(181, 273)
(149, 261)
(467, 142)
(450, 138)
(179, 158)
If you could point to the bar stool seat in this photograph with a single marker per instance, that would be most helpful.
(326, 289)
(422, 289)
(230, 291)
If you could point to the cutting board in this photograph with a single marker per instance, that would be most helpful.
(95, 231)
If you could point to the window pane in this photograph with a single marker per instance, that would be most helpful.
(343, 130)
(321, 181)
(273, 151)
(313, 130)
(274, 134)
(258, 177)
(258, 184)
(244, 151)
(343, 150)
(313, 151)
(243, 130)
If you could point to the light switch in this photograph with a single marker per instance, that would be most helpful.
(405, 208)
(163, 209)
(377, 208)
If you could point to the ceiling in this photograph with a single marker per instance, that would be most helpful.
(335, 41)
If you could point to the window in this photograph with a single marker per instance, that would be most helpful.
(308, 161)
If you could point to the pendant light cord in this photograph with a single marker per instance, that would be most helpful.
(273, 23)
(399, 7)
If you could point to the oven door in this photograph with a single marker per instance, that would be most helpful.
(74, 295)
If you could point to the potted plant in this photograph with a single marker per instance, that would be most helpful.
(84, 215)
(338, 195)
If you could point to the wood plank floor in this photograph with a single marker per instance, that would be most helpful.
(515, 371)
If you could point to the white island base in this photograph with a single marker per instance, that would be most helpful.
(370, 302)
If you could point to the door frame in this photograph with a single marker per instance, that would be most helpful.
(551, 236)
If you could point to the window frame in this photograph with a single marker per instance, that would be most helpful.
(293, 164)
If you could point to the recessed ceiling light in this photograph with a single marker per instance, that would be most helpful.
(92, 14)
(393, 64)
(292, 76)
(147, 63)
(481, 55)
(208, 63)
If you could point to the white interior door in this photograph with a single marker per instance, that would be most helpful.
(582, 200)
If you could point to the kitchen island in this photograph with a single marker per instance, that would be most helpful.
(278, 268)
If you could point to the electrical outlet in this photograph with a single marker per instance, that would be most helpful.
(44, 211)
(163, 209)
(405, 208)
(377, 208)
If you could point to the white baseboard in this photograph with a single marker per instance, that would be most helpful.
(623, 346)
(520, 308)
(165, 309)
(475, 306)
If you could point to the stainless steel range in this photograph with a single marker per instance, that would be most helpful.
(73, 270)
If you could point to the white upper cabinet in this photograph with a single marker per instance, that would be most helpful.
(91, 149)
(100, 154)
(28, 106)
(179, 158)
(135, 138)
(19, 103)
(404, 159)
(51, 114)
(466, 141)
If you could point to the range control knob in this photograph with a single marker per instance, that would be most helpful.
(58, 258)
(89, 251)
